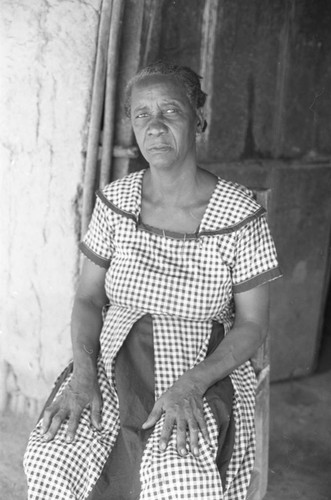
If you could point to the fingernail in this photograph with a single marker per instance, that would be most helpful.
(163, 446)
(196, 452)
(69, 439)
(45, 437)
(183, 451)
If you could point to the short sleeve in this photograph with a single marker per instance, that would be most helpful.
(98, 244)
(256, 260)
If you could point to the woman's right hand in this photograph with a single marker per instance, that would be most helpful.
(77, 396)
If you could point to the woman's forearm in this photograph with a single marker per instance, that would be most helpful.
(248, 332)
(237, 347)
(86, 324)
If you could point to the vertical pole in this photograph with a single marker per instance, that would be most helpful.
(282, 78)
(207, 55)
(141, 32)
(97, 103)
(110, 99)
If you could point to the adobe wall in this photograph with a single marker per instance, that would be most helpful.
(48, 52)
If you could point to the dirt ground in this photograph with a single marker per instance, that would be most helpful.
(300, 443)
(14, 431)
(300, 439)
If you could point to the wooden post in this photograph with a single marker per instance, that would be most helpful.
(207, 58)
(110, 98)
(140, 40)
(97, 103)
(282, 79)
(260, 362)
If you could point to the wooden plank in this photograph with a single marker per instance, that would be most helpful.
(300, 222)
(259, 480)
(139, 46)
(210, 25)
(260, 360)
(110, 94)
(282, 79)
(97, 103)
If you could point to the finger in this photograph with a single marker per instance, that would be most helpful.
(47, 417)
(153, 417)
(193, 427)
(56, 423)
(96, 411)
(194, 437)
(72, 426)
(181, 436)
(167, 429)
(200, 418)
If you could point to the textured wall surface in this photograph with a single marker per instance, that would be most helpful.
(266, 66)
(270, 84)
(47, 60)
(299, 216)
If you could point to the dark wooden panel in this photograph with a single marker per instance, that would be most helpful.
(270, 97)
(300, 221)
(244, 80)
(181, 32)
(271, 74)
(307, 128)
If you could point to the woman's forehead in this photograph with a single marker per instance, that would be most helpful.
(165, 87)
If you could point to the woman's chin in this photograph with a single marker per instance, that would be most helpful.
(161, 161)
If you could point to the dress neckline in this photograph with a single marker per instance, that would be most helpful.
(167, 232)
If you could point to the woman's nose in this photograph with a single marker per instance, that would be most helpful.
(156, 126)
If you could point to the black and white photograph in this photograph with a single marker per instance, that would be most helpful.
(165, 237)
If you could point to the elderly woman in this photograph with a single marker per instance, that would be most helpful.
(171, 304)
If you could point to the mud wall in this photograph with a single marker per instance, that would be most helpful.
(48, 53)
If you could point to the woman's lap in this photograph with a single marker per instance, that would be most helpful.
(119, 479)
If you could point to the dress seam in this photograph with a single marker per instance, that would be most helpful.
(93, 256)
(260, 279)
(114, 208)
(177, 235)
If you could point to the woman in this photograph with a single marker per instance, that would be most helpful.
(160, 403)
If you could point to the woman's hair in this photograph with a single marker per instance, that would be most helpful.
(185, 76)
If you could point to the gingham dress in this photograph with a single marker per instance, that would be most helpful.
(185, 282)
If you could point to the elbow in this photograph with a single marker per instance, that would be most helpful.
(88, 303)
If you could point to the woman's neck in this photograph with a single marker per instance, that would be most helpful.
(176, 202)
(166, 185)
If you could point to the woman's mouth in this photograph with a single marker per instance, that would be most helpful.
(158, 148)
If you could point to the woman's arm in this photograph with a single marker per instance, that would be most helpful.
(183, 402)
(83, 389)
(86, 320)
(246, 336)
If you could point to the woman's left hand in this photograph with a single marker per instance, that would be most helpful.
(183, 407)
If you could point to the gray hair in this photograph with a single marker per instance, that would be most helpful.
(188, 78)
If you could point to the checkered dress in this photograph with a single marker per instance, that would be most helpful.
(185, 282)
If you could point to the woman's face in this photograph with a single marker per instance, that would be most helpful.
(164, 122)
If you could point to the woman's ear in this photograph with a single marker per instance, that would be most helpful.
(201, 122)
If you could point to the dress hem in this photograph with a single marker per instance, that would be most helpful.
(94, 257)
(258, 280)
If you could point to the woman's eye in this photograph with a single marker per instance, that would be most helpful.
(170, 111)
(141, 115)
